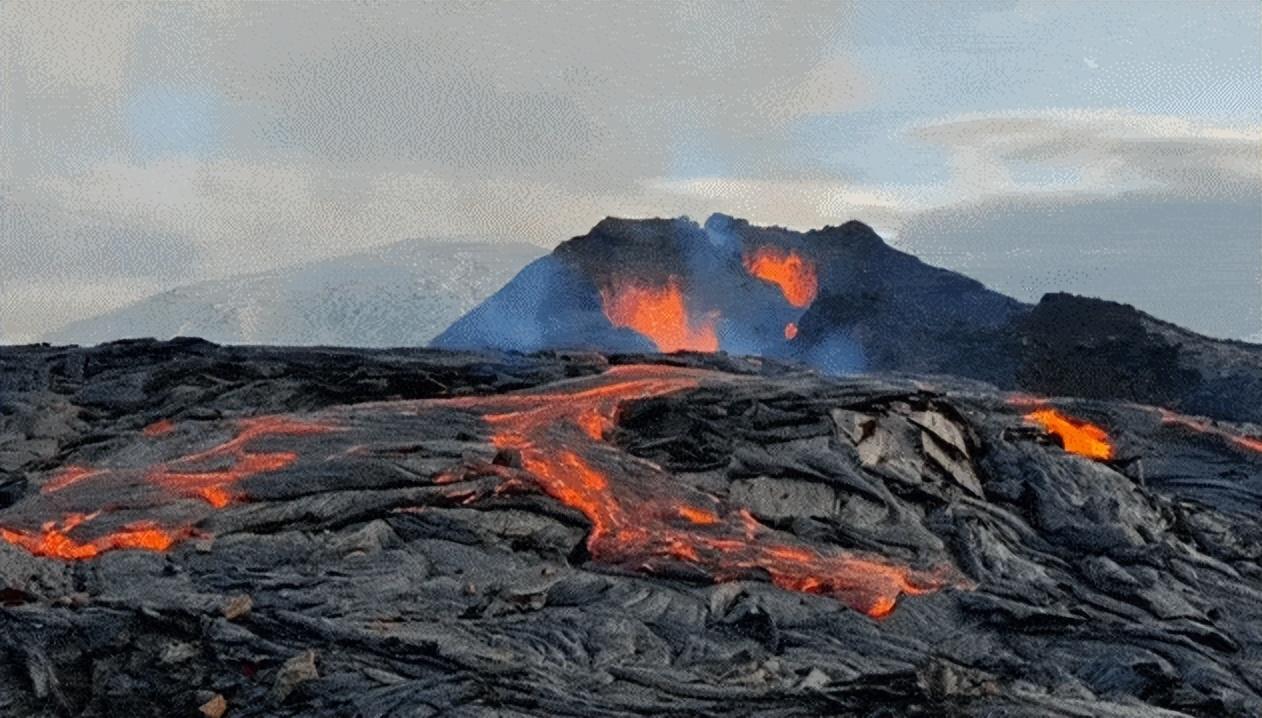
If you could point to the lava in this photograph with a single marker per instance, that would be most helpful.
(790, 331)
(659, 313)
(208, 475)
(53, 538)
(161, 427)
(793, 273)
(215, 486)
(1203, 426)
(69, 476)
(1078, 437)
(643, 519)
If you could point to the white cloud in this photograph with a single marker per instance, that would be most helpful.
(1100, 151)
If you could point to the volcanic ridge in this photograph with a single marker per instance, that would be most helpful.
(841, 300)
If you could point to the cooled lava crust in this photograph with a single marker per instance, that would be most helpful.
(186, 527)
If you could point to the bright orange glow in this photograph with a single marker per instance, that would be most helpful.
(215, 486)
(659, 313)
(642, 518)
(1202, 426)
(1079, 437)
(53, 539)
(793, 273)
(790, 331)
(635, 509)
(701, 517)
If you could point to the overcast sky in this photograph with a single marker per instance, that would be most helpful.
(1112, 149)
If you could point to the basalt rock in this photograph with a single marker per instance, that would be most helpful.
(191, 529)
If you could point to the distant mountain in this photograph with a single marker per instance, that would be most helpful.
(398, 295)
(840, 299)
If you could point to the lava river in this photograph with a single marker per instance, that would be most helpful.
(642, 518)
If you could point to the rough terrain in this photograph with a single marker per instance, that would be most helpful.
(192, 529)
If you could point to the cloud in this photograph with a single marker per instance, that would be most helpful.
(1100, 151)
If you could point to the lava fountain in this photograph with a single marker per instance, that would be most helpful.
(791, 272)
(659, 313)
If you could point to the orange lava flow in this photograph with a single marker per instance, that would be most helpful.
(644, 519)
(1079, 437)
(209, 475)
(53, 539)
(659, 313)
(69, 476)
(790, 331)
(793, 273)
(215, 486)
(1203, 426)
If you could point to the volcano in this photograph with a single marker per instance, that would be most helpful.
(841, 300)
(192, 529)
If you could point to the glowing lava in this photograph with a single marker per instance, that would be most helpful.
(215, 486)
(793, 273)
(790, 331)
(1202, 426)
(53, 538)
(643, 519)
(659, 313)
(88, 530)
(1078, 437)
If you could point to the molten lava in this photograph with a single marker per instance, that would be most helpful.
(793, 273)
(642, 518)
(1078, 437)
(210, 475)
(1202, 426)
(215, 486)
(53, 538)
(659, 313)
(790, 331)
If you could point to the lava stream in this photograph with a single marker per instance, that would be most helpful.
(86, 498)
(1203, 426)
(644, 519)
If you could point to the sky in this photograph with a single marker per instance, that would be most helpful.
(1105, 148)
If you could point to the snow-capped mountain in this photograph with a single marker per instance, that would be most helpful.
(398, 295)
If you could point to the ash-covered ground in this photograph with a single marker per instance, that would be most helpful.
(199, 530)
